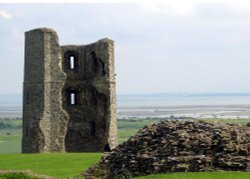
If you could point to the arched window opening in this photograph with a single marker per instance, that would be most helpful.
(72, 62)
(72, 97)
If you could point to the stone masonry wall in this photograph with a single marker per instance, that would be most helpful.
(92, 123)
(50, 122)
(44, 120)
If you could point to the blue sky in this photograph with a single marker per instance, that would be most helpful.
(159, 48)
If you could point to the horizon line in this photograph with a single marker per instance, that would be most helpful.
(162, 93)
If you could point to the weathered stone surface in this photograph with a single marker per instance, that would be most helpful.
(92, 124)
(44, 120)
(52, 122)
(178, 146)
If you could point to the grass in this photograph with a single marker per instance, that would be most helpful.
(13, 132)
(72, 164)
(13, 140)
(133, 124)
(129, 127)
(16, 176)
(19, 175)
(10, 147)
(10, 141)
(54, 164)
(239, 121)
(126, 127)
(124, 134)
(199, 175)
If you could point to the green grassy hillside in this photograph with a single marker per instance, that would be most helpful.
(10, 141)
(200, 175)
(64, 165)
(54, 164)
(71, 164)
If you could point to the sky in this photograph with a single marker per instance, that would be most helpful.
(180, 46)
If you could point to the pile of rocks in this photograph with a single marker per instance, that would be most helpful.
(175, 146)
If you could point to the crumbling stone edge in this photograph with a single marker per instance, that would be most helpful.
(177, 146)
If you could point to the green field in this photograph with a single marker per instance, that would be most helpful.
(55, 164)
(200, 175)
(127, 128)
(10, 140)
(71, 164)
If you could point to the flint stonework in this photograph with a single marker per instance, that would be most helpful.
(177, 146)
(68, 95)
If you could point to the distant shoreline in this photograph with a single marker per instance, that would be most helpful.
(197, 105)
(195, 111)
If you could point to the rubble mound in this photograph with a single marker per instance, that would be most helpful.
(178, 146)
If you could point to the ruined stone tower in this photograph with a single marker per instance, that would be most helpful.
(68, 95)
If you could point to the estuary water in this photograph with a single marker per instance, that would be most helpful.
(160, 105)
(182, 99)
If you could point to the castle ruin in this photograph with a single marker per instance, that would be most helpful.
(68, 95)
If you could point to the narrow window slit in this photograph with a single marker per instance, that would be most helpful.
(72, 98)
(72, 62)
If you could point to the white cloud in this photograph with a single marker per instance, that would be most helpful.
(5, 14)
(184, 7)
(207, 51)
(173, 7)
